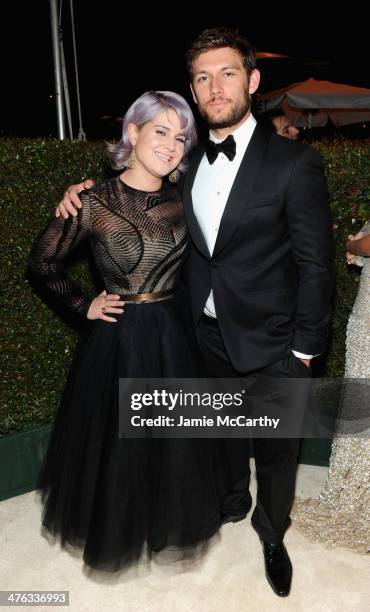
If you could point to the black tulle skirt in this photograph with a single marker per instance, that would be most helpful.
(120, 499)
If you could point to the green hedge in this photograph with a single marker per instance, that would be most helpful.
(37, 342)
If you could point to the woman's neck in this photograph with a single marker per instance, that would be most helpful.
(137, 180)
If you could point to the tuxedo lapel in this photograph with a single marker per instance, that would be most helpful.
(242, 187)
(238, 197)
(192, 222)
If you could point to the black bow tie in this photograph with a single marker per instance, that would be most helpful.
(227, 146)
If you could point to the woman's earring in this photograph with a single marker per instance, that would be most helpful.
(131, 162)
(173, 176)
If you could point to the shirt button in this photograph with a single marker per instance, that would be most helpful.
(218, 192)
(216, 229)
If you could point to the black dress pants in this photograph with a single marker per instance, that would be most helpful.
(275, 458)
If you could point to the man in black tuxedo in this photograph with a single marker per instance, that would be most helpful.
(260, 270)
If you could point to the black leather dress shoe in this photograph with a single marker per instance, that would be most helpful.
(278, 567)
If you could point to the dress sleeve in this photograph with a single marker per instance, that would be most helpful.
(53, 244)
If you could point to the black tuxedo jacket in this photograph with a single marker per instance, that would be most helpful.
(272, 267)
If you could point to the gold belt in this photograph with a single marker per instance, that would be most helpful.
(147, 297)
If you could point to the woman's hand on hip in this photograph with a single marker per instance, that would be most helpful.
(105, 303)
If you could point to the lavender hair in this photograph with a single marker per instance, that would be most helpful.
(144, 109)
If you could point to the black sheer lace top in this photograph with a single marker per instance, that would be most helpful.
(138, 240)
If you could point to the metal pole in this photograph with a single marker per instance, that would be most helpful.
(66, 90)
(81, 133)
(57, 68)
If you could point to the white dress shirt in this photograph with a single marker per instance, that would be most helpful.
(212, 185)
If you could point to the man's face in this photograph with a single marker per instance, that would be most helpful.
(221, 88)
(284, 128)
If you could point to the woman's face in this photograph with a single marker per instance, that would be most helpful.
(159, 144)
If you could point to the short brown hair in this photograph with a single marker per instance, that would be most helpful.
(216, 38)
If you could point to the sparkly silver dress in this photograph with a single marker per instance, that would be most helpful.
(340, 516)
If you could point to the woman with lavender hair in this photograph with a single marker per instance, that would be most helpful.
(120, 498)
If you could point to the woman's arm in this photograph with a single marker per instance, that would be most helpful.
(359, 246)
(54, 243)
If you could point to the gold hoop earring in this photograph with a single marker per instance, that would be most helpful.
(172, 177)
(131, 162)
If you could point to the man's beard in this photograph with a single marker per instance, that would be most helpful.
(234, 116)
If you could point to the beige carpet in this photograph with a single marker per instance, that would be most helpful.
(228, 578)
